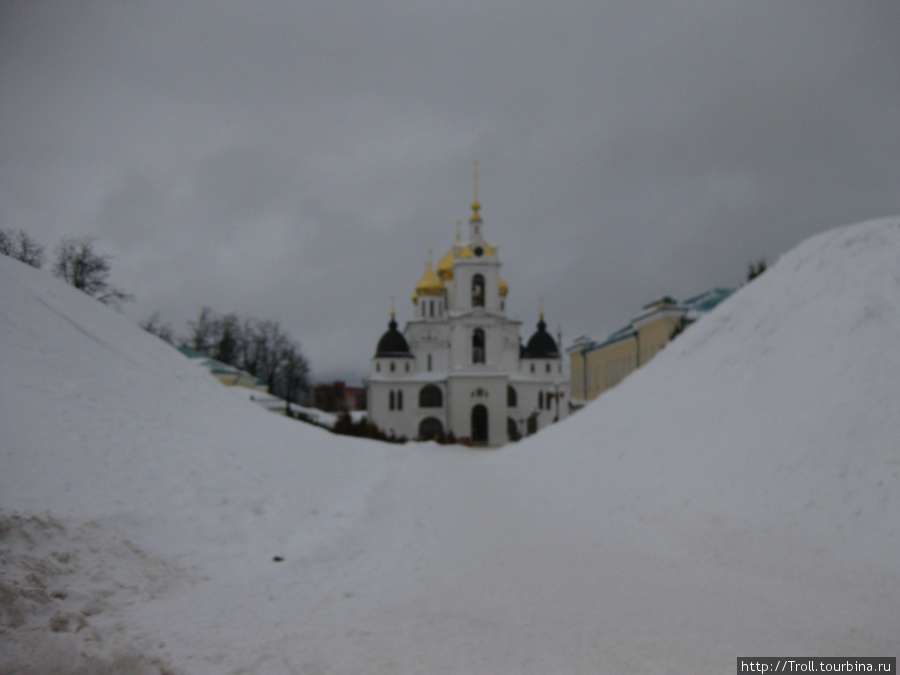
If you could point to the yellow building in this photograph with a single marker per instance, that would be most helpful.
(597, 366)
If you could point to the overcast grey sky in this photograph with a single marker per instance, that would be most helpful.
(295, 160)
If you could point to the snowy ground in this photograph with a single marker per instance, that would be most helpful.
(735, 497)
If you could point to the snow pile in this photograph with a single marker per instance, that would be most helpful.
(779, 407)
(759, 451)
(106, 429)
(734, 497)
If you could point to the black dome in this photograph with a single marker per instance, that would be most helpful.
(392, 343)
(541, 345)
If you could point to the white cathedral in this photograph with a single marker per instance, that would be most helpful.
(459, 365)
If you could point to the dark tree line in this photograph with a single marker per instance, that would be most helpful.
(260, 348)
(75, 261)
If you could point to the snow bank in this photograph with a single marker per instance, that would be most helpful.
(105, 426)
(779, 407)
(733, 497)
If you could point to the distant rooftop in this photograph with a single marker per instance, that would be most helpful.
(695, 307)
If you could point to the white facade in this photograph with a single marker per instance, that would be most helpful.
(459, 366)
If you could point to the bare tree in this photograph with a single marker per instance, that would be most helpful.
(221, 337)
(227, 347)
(80, 266)
(245, 348)
(16, 244)
(757, 269)
(202, 337)
(269, 346)
(162, 330)
(292, 378)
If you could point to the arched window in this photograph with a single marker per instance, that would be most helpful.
(478, 291)
(399, 400)
(478, 346)
(430, 396)
(429, 363)
(392, 400)
(540, 400)
(512, 399)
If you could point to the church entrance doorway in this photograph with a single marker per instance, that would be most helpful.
(431, 429)
(479, 424)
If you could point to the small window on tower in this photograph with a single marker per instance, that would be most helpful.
(478, 291)
(478, 346)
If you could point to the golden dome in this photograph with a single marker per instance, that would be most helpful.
(429, 284)
(445, 266)
(504, 289)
